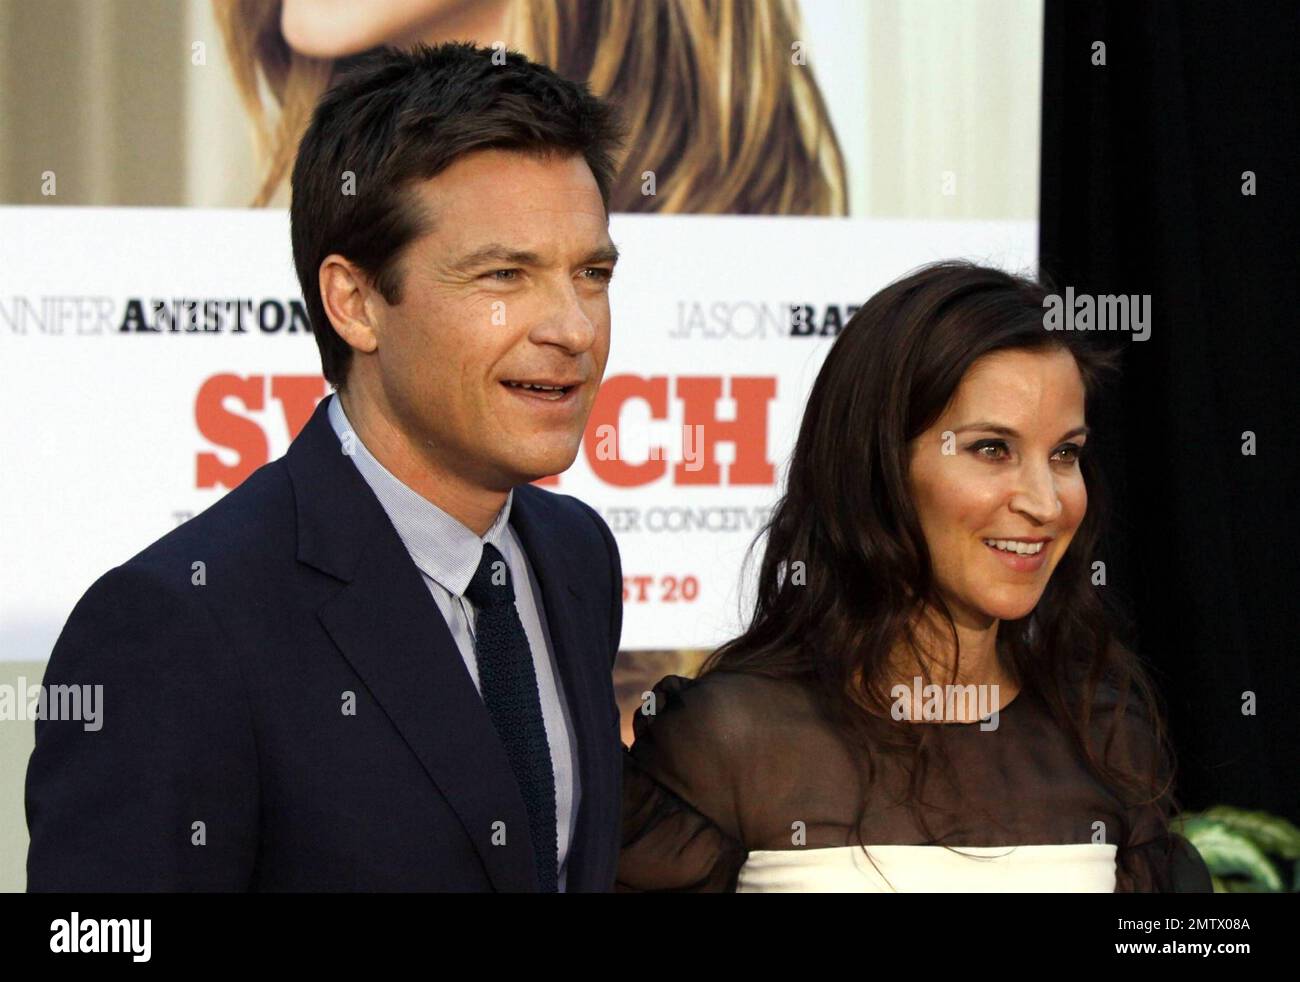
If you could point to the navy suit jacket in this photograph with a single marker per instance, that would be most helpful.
(226, 760)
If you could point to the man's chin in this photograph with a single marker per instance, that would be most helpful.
(542, 466)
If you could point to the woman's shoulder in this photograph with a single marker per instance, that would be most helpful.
(720, 708)
(1125, 726)
(722, 687)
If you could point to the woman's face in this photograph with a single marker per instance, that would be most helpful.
(335, 28)
(997, 485)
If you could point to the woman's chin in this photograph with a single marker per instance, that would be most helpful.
(1011, 608)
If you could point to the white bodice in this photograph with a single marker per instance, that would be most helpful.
(1075, 868)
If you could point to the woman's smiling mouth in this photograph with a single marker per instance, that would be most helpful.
(1022, 555)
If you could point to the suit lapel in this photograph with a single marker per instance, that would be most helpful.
(566, 613)
(390, 630)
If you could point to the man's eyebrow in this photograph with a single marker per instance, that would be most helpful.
(1001, 430)
(496, 253)
(604, 254)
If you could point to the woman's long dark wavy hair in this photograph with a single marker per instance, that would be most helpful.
(847, 514)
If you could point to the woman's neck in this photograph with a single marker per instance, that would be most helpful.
(931, 660)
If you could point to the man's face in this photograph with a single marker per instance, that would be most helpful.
(510, 286)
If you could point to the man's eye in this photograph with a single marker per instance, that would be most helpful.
(600, 273)
(503, 275)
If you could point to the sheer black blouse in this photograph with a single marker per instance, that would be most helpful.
(731, 763)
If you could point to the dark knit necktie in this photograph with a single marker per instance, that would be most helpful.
(508, 682)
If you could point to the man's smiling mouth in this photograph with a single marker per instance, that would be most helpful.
(553, 390)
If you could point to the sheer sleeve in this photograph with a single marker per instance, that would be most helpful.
(1152, 858)
(1167, 864)
(679, 793)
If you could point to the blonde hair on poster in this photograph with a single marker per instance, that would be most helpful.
(718, 104)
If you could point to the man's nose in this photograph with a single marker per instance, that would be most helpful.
(566, 322)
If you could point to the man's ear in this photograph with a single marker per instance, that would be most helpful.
(346, 294)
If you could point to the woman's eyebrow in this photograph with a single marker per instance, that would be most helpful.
(1002, 430)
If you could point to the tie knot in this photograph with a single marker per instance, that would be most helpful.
(491, 586)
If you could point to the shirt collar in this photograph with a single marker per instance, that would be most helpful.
(443, 548)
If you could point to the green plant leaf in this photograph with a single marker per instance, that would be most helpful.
(1227, 853)
(1272, 833)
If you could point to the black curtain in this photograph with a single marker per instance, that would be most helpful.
(1143, 168)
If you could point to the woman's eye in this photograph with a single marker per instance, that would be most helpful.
(991, 449)
(1072, 453)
